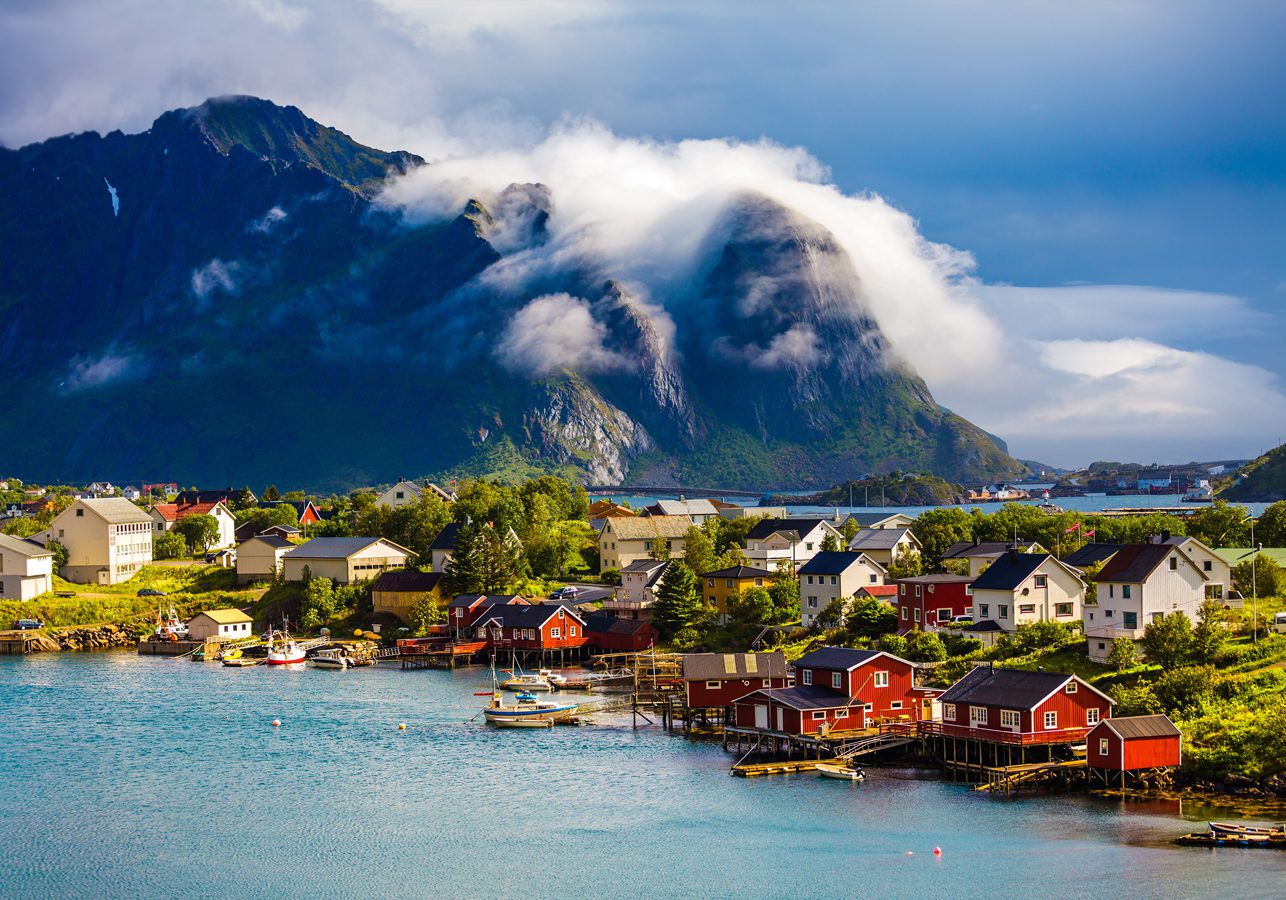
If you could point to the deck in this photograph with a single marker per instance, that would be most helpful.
(441, 656)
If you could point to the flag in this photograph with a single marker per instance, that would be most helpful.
(1089, 533)
(1076, 527)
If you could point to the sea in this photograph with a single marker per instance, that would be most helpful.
(129, 776)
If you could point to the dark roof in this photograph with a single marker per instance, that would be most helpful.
(407, 581)
(771, 526)
(879, 538)
(936, 579)
(465, 600)
(738, 572)
(447, 537)
(1008, 571)
(830, 562)
(704, 666)
(646, 565)
(602, 623)
(208, 496)
(1091, 554)
(1011, 688)
(519, 616)
(963, 549)
(803, 697)
(1132, 727)
(272, 540)
(843, 658)
(984, 625)
(1133, 563)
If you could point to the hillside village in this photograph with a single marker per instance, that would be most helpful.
(1154, 614)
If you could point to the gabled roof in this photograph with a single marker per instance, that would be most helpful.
(879, 590)
(871, 520)
(407, 581)
(713, 666)
(648, 528)
(939, 578)
(1134, 563)
(1009, 571)
(523, 616)
(213, 496)
(803, 697)
(602, 509)
(984, 625)
(1090, 554)
(447, 537)
(846, 659)
(768, 527)
(167, 511)
(1010, 688)
(881, 538)
(271, 540)
(684, 508)
(224, 616)
(738, 572)
(1135, 727)
(339, 547)
(602, 623)
(835, 562)
(645, 565)
(22, 547)
(984, 549)
(113, 510)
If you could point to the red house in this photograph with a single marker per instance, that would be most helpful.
(837, 688)
(929, 600)
(715, 680)
(616, 634)
(1131, 743)
(523, 627)
(464, 610)
(1017, 706)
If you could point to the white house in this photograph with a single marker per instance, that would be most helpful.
(1021, 588)
(637, 593)
(1216, 569)
(885, 545)
(259, 558)
(165, 516)
(344, 560)
(792, 541)
(220, 625)
(406, 492)
(107, 540)
(628, 539)
(834, 575)
(26, 569)
(1141, 583)
(696, 510)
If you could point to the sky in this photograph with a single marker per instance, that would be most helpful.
(1069, 217)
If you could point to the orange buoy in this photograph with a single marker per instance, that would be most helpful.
(276, 723)
(401, 726)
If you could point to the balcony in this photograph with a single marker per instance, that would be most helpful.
(1111, 633)
(1004, 736)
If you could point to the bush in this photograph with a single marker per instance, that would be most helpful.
(925, 646)
(895, 644)
(1185, 689)
(1138, 700)
(169, 545)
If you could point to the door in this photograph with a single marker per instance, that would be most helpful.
(781, 719)
(761, 716)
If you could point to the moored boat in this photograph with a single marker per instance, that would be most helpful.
(529, 681)
(841, 771)
(526, 713)
(282, 649)
(329, 659)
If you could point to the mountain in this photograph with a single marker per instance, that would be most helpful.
(1261, 480)
(223, 299)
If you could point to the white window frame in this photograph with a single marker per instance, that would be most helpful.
(948, 712)
(1104, 747)
(1011, 718)
(896, 704)
(819, 715)
(978, 716)
(1071, 687)
(555, 634)
(1051, 720)
(1092, 716)
(807, 677)
(713, 685)
(880, 679)
(837, 680)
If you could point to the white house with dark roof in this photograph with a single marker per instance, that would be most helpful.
(26, 568)
(885, 545)
(1021, 588)
(1218, 573)
(834, 575)
(1141, 583)
(344, 560)
(259, 558)
(980, 554)
(637, 593)
(792, 541)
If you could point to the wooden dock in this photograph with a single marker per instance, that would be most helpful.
(168, 648)
(1009, 778)
(441, 656)
(785, 767)
(19, 643)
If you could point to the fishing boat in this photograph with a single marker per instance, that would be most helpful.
(531, 713)
(282, 649)
(841, 771)
(170, 627)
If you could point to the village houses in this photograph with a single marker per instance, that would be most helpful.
(930, 601)
(344, 560)
(406, 492)
(721, 585)
(626, 540)
(774, 542)
(1139, 584)
(637, 591)
(166, 515)
(1017, 706)
(980, 554)
(885, 545)
(107, 540)
(1020, 588)
(26, 569)
(834, 575)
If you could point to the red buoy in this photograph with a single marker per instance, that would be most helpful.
(937, 851)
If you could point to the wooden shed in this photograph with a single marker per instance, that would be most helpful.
(220, 625)
(1133, 744)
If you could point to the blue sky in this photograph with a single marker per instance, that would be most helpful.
(1104, 144)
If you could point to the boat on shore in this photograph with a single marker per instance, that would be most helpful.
(841, 771)
(527, 713)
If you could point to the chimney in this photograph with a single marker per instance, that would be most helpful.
(977, 541)
(1165, 535)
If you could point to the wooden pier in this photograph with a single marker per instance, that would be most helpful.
(441, 656)
(1008, 779)
(168, 648)
(784, 767)
(20, 643)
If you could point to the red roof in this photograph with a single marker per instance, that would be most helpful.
(172, 512)
(881, 590)
(169, 511)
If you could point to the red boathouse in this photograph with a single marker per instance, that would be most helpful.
(1140, 745)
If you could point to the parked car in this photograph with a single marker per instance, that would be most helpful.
(565, 593)
(963, 620)
(151, 592)
(1279, 623)
(28, 624)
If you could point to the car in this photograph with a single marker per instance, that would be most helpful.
(151, 592)
(28, 624)
(64, 593)
(962, 620)
(565, 593)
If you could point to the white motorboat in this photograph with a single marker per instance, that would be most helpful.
(526, 713)
(530, 681)
(841, 771)
(329, 659)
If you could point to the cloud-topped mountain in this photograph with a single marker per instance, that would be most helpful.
(241, 293)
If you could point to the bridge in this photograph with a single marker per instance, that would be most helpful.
(670, 491)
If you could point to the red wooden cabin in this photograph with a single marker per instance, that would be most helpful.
(837, 688)
(615, 634)
(715, 680)
(1017, 706)
(541, 627)
(466, 609)
(930, 600)
(1131, 743)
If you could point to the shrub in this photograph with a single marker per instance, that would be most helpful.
(169, 545)
(1185, 689)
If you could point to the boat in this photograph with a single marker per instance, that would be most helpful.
(231, 653)
(330, 659)
(1223, 828)
(282, 649)
(242, 662)
(170, 627)
(526, 713)
(841, 771)
(530, 681)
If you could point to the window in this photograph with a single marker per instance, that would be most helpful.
(647, 545)
(1103, 749)
(1042, 580)
(808, 546)
(713, 685)
(808, 676)
(1062, 609)
(810, 579)
(902, 589)
(944, 615)
(80, 513)
(1129, 620)
(1027, 609)
(709, 582)
(904, 614)
(1205, 566)
(401, 495)
(1125, 592)
(571, 631)
(1071, 687)
(917, 590)
(917, 614)
(766, 682)
(555, 633)
(759, 582)
(1091, 716)
(881, 679)
(1111, 590)
(896, 704)
(713, 600)
(1010, 718)
(872, 578)
(834, 580)
(1110, 612)
(728, 583)
(983, 609)
(948, 712)
(1102, 646)
(1004, 611)
(1051, 720)
(812, 602)
(837, 680)
(1174, 564)
(977, 716)
(819, 715)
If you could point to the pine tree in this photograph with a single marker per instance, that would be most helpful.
(678, 604)
(481, 563)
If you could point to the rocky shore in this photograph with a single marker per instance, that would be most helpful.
(88, 637)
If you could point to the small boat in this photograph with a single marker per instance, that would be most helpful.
(171, 627)
(529, 681)
(329, 659)
(841, 771)
(242, 662)
(1224, 828)
(282, 649)
(526, 713)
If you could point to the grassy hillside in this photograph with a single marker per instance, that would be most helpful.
(1263, 479)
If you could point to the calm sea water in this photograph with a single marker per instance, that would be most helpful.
(124, 776)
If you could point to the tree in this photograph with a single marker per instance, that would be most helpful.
(169, 545)
(849, 529)
(829, 543)
(1267, 578)
(1183, 689)
(678, 603)
(660, 549)
(482, 562)
(59, 552)
(424, 612)
(1210, 635)
(1168, 641)
(1123, 654)
(870, 618)
(270, 494)
(318, 604)
(894, 644)
(938, 529)
(1221, 524)
(1090, 574)
(833, 615)
(753, 606)
(698, 551)
(199, 531)
(1270, 527)
(925, 646)
(784, 591)
(906, 565)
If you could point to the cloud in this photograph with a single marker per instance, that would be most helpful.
(270, 220)
(216, 275)
(85, 373)
(279, 13)
(798, 347)
(556, 332)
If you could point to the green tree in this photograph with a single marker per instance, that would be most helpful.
(784, 591)
(753, 606)
(678, 603)
(425, 612)
(905, 565)
(270, 494)
(59, 552)
(1210, 635)
(925, 646)
(870, 618)
(1221, 524)
(1270, 527)
(833, 615)
(169, 545)
(698, 551)
(849, 529)
(1184, 689)
(199, 531)
(1123, 654)
(938, 529)
(895, 644)
(660, 549)
(830, 543)
(1267, 578)
(318, 604)
(482, 562)
(1136, 700)
(1168, 641)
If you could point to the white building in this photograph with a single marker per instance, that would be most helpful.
(344, 560)
(107, 540)
(792, 541)
(831, 576)
(26, 569)
(637, 593)
(1141, 583)
(406, 492)
(1022, 588)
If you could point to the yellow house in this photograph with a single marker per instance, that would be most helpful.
(344, 560)
(107, 540)
(722, 585)
(397, 592)
(220, 625)
(629, 539)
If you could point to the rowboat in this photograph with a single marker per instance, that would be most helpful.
(841, 772)
(1223, 828)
